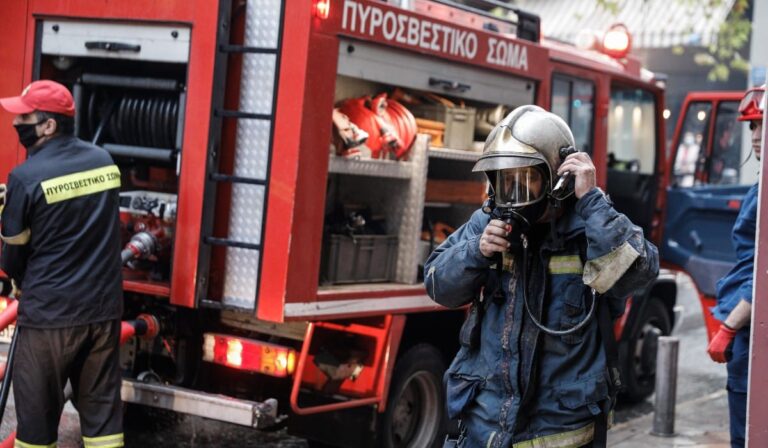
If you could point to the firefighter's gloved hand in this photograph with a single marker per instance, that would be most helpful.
(719, 348)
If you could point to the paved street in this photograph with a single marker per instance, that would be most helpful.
(699, 380)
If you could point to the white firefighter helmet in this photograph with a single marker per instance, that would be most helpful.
(528, 138)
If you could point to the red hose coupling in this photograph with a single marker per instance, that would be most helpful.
(150, 324)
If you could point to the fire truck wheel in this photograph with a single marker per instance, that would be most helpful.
(415, 414)
(639, 366)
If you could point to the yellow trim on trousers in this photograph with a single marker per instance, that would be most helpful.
(570, 439)
(111, 441)
(19, 444)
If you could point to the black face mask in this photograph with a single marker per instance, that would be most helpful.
(28, 133)
(526, 217)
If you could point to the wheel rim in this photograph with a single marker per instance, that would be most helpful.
(645, 351)
(415, 416)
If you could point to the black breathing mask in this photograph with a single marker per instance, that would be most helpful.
(28, 133)
(518, 196)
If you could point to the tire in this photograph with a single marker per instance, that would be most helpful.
(639, 359)
(415, 414)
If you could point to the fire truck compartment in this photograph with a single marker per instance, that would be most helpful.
(129, 83)
(392, 193)
(376, 63)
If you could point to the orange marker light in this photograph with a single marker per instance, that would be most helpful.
(249, 354)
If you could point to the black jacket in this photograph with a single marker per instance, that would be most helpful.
(61, 235)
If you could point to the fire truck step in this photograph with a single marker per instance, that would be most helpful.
(239, 114)
(237, 179)
(245, 49)
(230, 243)
(217, 407)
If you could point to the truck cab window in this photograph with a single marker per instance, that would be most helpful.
(632, 148)
(725, 163)
(573, 100)
(632, 131)
(690, 153)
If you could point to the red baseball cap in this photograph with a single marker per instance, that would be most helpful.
(45, 96)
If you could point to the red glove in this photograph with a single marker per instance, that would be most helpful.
(720, 344)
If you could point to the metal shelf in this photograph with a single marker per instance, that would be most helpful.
(371, 167)
(453, 154)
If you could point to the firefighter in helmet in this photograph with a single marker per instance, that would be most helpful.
(734, 291)
(547, 264)
(61, 245)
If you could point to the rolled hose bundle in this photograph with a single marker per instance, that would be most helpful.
(390, 126)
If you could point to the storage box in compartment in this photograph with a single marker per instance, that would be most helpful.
(459, 123)
(360, 259)
(435, 130)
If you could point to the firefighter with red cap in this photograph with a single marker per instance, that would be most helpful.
(61, 245)
(734, 291)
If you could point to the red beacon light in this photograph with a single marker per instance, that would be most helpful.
(617, 41)
(322, 8)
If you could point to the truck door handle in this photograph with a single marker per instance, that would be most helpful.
(697, 244)
(112, 46)
(447, 84)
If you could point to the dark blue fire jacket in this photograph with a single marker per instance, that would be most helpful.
(520, 387)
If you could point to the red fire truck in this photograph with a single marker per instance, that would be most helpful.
(711, 169)
(219, 114)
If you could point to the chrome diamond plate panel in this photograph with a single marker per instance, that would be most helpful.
(410, 207)
(252, 152)
(241, 278)
(245, 214)
(258, 79)
(243, 264)
(262, 23)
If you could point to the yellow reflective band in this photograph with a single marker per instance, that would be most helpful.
(571, 439)
(111, 441)
(81, 184)
(565, 264)
(19, 444)
(17, 240)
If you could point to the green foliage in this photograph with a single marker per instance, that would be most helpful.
(611, 6)
(731, 37)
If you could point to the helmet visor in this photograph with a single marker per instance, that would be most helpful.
(517, 187)
(752, 101)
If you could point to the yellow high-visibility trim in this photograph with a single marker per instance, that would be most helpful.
(74, 185)
(570, 439)
(110, 441)
(17, 240)
(565, 264)
(19, 444)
